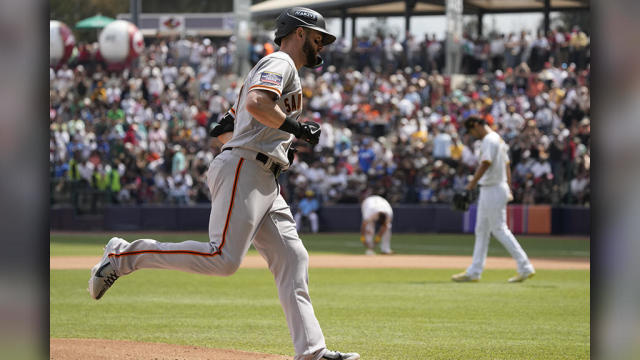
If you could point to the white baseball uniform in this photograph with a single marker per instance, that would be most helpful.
(492, 208)
(247, 206)
(371, 206)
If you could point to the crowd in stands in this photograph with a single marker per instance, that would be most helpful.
(140, 135)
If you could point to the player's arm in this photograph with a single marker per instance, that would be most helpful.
(484, 165)
(363, 230)
(382, 230)
(261, 104)
(508, 170)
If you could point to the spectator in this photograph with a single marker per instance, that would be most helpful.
(307, 209)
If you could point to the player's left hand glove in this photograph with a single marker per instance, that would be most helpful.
(461, 201)
(362, 239)
(225, 125)
(377, 238)
(291, 153)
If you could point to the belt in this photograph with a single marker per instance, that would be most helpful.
(274, 168)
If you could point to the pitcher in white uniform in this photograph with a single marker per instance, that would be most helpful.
(493, 176)
(376, 211)
(246, 204)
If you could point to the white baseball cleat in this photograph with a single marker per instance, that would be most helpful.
(464, 277)
(335, 355)
(522, 277)
(369, 252)
(103, 275)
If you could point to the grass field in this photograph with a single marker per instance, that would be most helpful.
(340, 243)
(384, 314)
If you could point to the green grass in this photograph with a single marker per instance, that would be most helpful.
(434, 244)
(385, 314)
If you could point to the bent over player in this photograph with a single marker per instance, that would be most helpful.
(245, 195)
(493, 176)
(376, 211)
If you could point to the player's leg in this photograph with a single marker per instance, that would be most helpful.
(385, 243)
(313, 218)
(482, 235)
(369, 234)
(236, 213)
(502, 233)
(278, 242)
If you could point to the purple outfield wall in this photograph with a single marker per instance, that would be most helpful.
(538, 219)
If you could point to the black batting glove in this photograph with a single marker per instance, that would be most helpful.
(310, 132)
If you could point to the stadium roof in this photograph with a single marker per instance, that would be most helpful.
(374, 8)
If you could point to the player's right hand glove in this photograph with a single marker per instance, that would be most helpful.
(308, 131)
(377, 239)
(462, 200)
(362, 239)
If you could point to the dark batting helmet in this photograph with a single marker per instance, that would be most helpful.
(294, 17)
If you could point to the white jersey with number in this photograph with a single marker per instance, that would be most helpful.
(494, 149)
(275, 73)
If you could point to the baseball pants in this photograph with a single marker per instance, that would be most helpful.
(492, 219)
(246, 206)
(385, 242)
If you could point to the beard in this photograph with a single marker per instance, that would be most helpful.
(310, 54)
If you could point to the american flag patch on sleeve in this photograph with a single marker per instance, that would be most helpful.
(271, 78)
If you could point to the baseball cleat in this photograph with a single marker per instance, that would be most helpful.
(521, 277)
(103, 275)
(369, 252)
(335, 355)
(388, 252)
(464, 277)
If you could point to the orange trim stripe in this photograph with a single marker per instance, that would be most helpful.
(267, 87)
(233, 111)
(189, 252)
(233, 196)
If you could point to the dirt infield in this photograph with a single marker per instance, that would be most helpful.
(362, 261)
(80, 349)
(98, 349)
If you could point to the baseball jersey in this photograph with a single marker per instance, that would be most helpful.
(374, 204)
(494, 149)
(275, 73)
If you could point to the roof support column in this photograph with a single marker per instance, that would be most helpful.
(343, 23)
(353, 27)
(408, 10)
(480, 16)
(547, 10)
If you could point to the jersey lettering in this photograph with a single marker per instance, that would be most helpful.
(287, 108)
(291, 104)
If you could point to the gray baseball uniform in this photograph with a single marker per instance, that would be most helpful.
(247, 206)
(492, 208)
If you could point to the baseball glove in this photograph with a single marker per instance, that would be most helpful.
(225, 125)
(461, 200)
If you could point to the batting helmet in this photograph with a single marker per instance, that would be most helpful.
(294, 17)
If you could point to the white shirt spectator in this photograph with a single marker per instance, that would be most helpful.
(540, 168)
(442, 145)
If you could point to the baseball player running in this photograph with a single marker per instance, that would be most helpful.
(376, 211)
(245, 195)
(493, 176)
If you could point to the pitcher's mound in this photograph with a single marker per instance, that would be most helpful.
(83, 349)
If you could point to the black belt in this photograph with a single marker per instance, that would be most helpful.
(274, 168)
